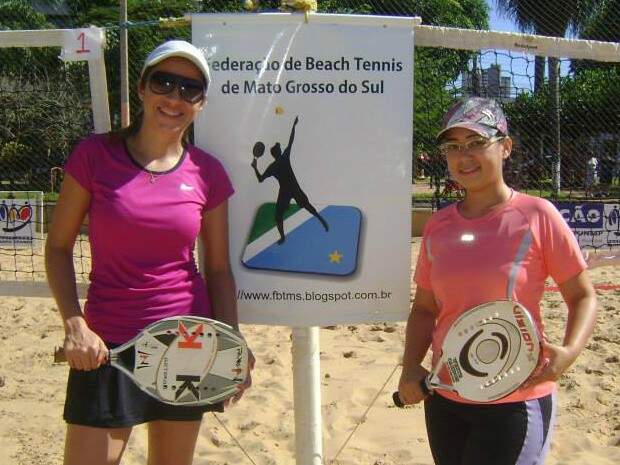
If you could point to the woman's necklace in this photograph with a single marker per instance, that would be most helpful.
(136, 155)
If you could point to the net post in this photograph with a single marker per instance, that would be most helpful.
(307, 396)
(124, 65)
(99, 95)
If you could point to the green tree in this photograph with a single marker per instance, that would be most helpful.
(25, 62)
(435, 68)
(39, 123)
(603, 25)
(591, 92)
(550, 18)
(143, 35)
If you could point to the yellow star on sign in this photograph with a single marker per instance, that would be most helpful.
(335, 257)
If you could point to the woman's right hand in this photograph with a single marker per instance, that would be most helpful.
(83, 348)
(409, 389)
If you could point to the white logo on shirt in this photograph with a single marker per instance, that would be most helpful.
(186, 187)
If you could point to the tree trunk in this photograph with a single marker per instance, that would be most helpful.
(539, 73)
(475, 80)
(554, 119)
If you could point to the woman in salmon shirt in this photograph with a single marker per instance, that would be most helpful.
(494, 244)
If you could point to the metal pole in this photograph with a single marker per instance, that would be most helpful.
(307, 396)
(124, 64)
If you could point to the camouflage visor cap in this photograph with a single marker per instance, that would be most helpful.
(484, 116)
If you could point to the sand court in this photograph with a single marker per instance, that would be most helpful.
(356, 360)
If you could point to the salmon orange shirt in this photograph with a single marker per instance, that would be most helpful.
(506, 254)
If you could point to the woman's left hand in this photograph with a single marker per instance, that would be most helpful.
(246, 384)
(555, 361)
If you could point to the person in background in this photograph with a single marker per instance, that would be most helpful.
(494, 244)
(149, 195)
(592, 178)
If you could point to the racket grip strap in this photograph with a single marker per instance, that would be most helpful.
(424, 387)
(396, 398)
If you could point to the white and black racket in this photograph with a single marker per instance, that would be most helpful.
(488, 352)
(183, 360)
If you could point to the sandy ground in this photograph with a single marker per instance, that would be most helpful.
(356, 361)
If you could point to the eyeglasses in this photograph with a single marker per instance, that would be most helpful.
(190, 90)
(475, 145)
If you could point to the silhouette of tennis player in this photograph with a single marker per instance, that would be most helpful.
(282, 170)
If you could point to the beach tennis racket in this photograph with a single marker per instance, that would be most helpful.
(258, 150)
(488, 352)
(183, 360)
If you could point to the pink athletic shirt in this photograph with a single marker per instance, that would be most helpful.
(505, 254)
(142, 233)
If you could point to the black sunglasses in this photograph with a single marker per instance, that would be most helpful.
(190, 90)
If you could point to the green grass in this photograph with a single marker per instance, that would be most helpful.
(19, 195)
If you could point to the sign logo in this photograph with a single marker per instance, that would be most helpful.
(15, 217)
(144, 359)
(308, 248)
(525, 334)
(189, 341)
(582, 215)
(187, 383)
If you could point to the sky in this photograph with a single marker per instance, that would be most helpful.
(498, 22)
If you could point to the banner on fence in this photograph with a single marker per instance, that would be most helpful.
(313, 121)
(21, 217)
(595, 224)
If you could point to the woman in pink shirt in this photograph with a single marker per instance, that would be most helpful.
(494, 244)
(149, 195)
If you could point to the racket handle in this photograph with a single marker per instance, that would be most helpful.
(397, 401)
(59, 355)
(400, 404)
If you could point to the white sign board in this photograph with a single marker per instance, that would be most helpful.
(21, 219)
(314, 123)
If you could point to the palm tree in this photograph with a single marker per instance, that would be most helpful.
(604, 23)
(552, 18)
(549, 18)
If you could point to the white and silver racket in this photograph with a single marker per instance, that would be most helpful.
(488, 352)
(183, 360)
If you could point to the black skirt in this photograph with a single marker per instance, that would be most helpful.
(108, 398)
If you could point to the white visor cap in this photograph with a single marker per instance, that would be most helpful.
(179, 48)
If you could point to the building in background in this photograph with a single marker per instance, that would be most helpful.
(488, 83)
